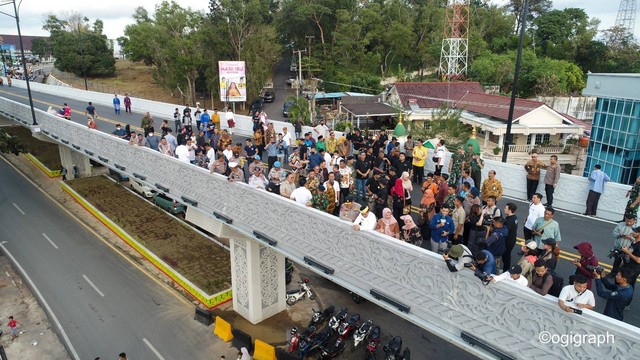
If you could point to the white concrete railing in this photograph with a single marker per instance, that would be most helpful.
(505, 317)
(571, 193)
(159, 110)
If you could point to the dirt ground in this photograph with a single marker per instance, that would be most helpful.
(195, 257)
(47, 153)
(37, 339)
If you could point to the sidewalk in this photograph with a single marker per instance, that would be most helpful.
(37, 339)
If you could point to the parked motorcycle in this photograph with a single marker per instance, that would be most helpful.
(347, 327)
(335, 320)
(288, 271)
(362, 333)
(393, 348)
(319, 317)
(372, 341)
(333, 351)
(306, 340)
(294, 296)
(295, 339)
(319, 341)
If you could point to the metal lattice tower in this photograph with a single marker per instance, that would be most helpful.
(455, 43)
(626, 18)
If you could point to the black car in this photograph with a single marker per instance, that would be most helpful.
(285, 108)
(257, 105)
(269, 96)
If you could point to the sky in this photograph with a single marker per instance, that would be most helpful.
(116, 14)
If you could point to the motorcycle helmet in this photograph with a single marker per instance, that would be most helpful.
(293, 331)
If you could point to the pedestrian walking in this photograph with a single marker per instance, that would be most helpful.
(551, 179)
(122, 356)
(596, 188)
(127, 104)
(13, 327)
(91, 111)
(116, 104)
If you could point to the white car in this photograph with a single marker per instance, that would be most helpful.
(141, 188)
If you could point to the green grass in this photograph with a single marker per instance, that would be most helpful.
(46, 152)
(194, 256)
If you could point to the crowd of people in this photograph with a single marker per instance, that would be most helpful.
(369, 181)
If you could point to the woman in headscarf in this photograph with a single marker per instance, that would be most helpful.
(388, 224)
(427, 205)
(410, 231)
(400, 197)
(344, 146)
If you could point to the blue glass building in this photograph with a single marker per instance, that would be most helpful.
(615, 134)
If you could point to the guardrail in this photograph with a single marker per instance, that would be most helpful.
(511, 320)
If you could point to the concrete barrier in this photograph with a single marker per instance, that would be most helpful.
(50, 173)
(222, 329)
(264, 351)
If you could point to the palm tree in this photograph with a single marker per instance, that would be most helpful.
(299, 109)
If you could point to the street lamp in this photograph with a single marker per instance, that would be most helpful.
(512, 104)
(24, 59)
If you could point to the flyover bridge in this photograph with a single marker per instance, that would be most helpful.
(408, 281)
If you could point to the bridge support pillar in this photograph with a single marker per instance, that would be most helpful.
(257, 278)
(71, 158)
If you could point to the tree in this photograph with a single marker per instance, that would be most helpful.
(78, 48)
(299, 109)
(41, 47)
(536, 8)
(174, 41)
(561, 33)
(11, 144)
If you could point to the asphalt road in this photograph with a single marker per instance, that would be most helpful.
(103, 301)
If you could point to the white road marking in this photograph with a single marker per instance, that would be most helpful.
(17, 207)
(52, 243)
(153, 349)
(93, 286)
(70, 347)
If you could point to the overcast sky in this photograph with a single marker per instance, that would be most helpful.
(116, 14)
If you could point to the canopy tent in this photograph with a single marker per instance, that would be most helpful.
(365, 111)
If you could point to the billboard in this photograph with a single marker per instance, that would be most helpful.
(233, 83)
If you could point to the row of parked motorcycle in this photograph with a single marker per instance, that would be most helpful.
(319, 339)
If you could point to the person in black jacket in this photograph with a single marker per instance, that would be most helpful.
(511, 223)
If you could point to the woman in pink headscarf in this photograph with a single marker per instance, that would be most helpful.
(410, 231)
(388, 225)
(401, 198)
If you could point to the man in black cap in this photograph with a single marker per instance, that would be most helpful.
(514, 275)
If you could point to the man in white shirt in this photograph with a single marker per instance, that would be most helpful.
(182, 153)
(321, 130)
(286, 136)
(302, 195)
(576, 296)
(228, 152)
(536, 210)
(365, 221)
(513, 276)
(258, 179)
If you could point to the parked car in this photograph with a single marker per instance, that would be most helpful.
(285, 108)
(141, 188)
(169, 204)
(269, 96)
(118, 176)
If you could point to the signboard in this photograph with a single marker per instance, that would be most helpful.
(233, 83)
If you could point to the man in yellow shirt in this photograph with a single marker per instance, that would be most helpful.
(491, 187)
(215, 119)
(419, 155)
